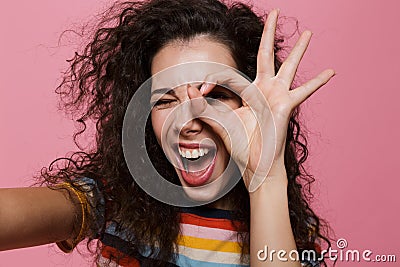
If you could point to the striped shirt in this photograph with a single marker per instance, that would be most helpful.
(207, 238)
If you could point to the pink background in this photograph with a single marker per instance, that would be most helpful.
(353, 121)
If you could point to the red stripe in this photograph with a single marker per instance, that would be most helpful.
(119, 257)
(207, 222)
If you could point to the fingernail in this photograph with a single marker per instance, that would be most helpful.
(203, 88)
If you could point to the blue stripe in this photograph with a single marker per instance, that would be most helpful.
(207, 212)
(188, 262)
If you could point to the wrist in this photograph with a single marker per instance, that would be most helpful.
(277, 171)
(273, 192)
(276, 179)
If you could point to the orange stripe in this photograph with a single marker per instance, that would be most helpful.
(209, 244)
(122, 259)
(207, 222)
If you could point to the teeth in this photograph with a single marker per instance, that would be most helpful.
(194, 153)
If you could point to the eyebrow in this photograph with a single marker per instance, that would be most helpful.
(163, 91)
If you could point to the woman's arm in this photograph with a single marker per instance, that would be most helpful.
(270, 228)
(37, 215)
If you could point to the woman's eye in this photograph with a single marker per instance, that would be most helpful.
(213, 97)
(220, 96)
(164, 103)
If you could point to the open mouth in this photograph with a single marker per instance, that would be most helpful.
(196, 162)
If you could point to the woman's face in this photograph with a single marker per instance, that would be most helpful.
(200, 153)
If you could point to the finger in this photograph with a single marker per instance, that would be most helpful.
(304, 91)
(266, 56)
(229, 78)
(202, 110)
(227, 123)
(289, 67)
(207, 88)
(253, 97)
(198, 103)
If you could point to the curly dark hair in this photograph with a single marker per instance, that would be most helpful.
(103, 78)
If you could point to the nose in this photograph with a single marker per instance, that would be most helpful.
(185, 124)
(190, 128)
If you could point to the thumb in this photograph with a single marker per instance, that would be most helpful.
(222, 119)
(202, 110)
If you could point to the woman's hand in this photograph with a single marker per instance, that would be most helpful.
(268, 104)
(275, 86)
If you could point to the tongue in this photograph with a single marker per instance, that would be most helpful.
(198, 172)
(200, 164)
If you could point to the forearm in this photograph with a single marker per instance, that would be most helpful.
(270, 222)
(36, 216)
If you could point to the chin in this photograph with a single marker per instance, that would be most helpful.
(211, 191)
(206, 193)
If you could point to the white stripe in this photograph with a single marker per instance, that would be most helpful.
(208, 233)
(210, 256)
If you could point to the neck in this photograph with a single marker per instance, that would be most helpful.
(222, 203)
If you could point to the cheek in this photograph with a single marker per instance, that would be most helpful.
(157, 121)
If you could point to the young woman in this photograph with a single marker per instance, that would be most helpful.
(96, 194)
